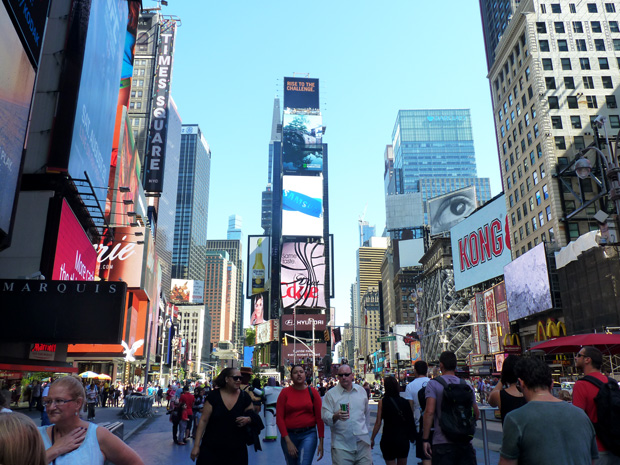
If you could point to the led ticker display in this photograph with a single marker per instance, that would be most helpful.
(302, 275)
(302, 206)
(302, 152)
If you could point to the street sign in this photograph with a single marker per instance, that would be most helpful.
(386, 338)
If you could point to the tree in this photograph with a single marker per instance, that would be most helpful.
(250, 336)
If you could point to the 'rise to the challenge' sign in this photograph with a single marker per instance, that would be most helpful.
(156, 150)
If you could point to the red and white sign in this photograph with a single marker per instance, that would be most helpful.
(481, 245)
(42, 351)
(75, 258)
(303, 322)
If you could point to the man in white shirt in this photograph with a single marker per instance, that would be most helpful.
(411, 393)
(346, 411)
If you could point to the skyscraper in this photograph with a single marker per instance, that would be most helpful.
(220, 295)
(234, 249)
(267, 195)
(555, 71)
(190, 232)
(496, 14)
(234, 227)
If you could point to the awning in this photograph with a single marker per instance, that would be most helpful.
(609, 344)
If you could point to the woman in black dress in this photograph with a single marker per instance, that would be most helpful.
(399, 424)
(505, 395)
(223, 422)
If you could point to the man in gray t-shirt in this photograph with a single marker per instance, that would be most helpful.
(443, 451)
(546, 429)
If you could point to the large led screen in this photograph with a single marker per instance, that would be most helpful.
(301, 94)
(187, 291)
(302, 278)
(447, 210)
(259, 309)
(75, 258)
(527, 284)
(302, 152)
(30, 17)
(481, 245)
(489, 305)
(259, 264)
(302, 206)
(16, 84)
(95, 112)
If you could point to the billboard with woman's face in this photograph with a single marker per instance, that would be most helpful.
(259, 308)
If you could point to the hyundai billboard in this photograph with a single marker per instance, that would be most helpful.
(528, 290)
(481, 245)
(448, 210)
(302, 206)
(302, 278)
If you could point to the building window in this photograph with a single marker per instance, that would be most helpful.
(572, 102)
(547, 64)
(554, 103)
(548, 213)
(610, 8)
(543, 45)
(541, 219)
(539, 150)
(579, 143)
(599, 45)
(541, 27)
(528, 182)
(571, 7)
(596, 26)
(545, 192)
(556, 122)
(603, 63)
(580, 44)
(575, 122)
(538, 199)
(535, 177)
(591, 100)
(560, 143)
(556, 8)
(584, 63)
(512, 203)
(562, 45)
(616, 45)
(559, 27)
(614, 121)
(550, 82)
(532, 158)
(592, 8)
(527, 119)
(607, 84)
(529, 139)
(513, 218)
(588, 82)
(536, 133)
(527, 229)
(569, 82)
(577, 27)
(613, 26)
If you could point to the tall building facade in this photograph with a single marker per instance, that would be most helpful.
(555, 72)
(192, 208)
(234, 227)
(234, 249)
(220, 295)
(432, 144)
(267, 195)
(496, 14)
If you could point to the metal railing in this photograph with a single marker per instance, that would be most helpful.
(137, 406)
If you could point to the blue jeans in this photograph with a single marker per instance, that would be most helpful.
(306, 447)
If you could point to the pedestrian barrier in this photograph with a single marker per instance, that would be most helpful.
(117, 428)
(137, 406)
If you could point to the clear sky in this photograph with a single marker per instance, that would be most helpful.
(372, 59)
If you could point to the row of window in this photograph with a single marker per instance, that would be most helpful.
(543, 238)
(584, 63)
(595, 26)
(580, 45)
(575, 121)
(592, 8)
(534, 201)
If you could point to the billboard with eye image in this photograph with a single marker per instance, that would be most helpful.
(448, 210)
(302, 152)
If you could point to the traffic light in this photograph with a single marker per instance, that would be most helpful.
(326, 334)
(285, 340)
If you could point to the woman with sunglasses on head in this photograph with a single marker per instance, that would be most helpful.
(71, 440)
(298, 416)
(223, 419)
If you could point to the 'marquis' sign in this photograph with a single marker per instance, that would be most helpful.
(481, 245)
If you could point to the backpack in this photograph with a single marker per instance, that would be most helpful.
(607, 403)
(457, 420)
(422, 397)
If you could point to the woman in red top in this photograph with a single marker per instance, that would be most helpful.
(298, 416)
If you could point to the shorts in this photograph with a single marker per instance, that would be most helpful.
(394, 449)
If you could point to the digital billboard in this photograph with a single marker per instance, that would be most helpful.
(489, 305)
(295, 352)
(302, 206)
(259, 308)
(95, 111)
(527, 284)
(158, 132)
(267, 332)
(301, 94)
(447, 210)
(302, 151)
(298, 321)
(302, 275)
(481, 245)
(501, 309)
(187, 291)
(16, 86)
(75, 258)
(259, 264)
(30, 17)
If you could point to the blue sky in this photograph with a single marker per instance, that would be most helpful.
(372, 59)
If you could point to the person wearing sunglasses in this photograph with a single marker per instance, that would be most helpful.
(225, 414)
(346, 412)
(298, 416)
(71, 440)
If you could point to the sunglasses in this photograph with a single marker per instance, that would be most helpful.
(345, 374)
(237, 378)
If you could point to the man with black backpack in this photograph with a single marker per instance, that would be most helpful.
(451, 407)
(599, 397)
